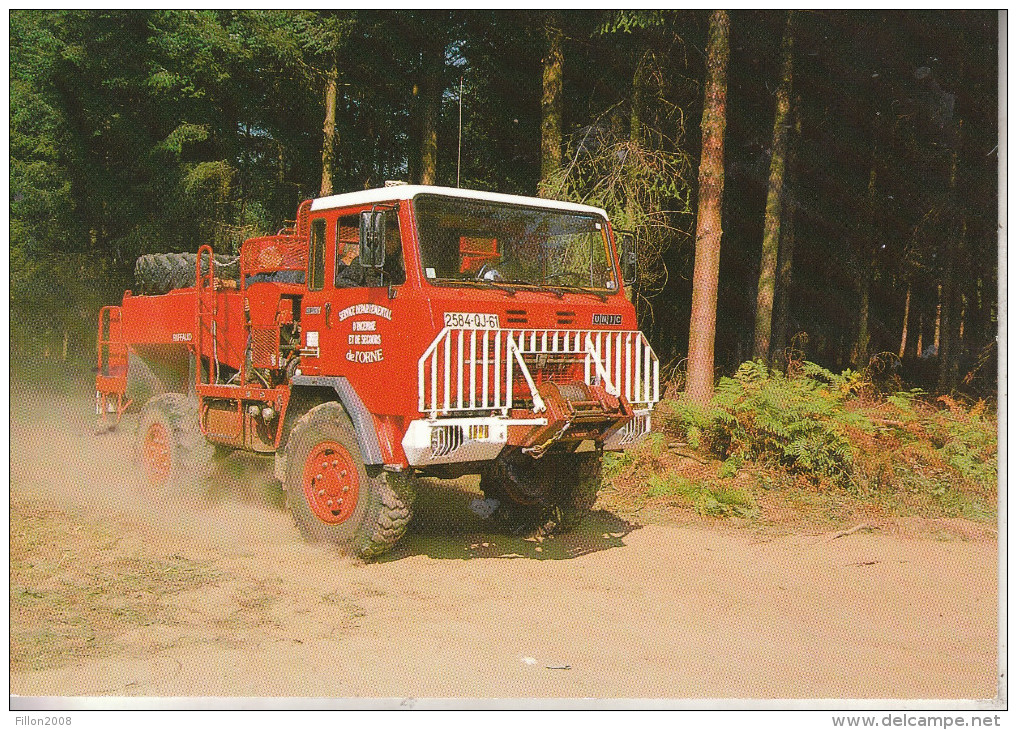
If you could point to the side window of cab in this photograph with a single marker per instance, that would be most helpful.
(395, 270)
(349, 269)
(316, 256)
(347, 251)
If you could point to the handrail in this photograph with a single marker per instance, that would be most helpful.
(108, 343)
(111, 370)
(203, 312)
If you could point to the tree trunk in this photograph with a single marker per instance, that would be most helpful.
(939, 318)
(329, 140)
(960, 305)
(638, 94)
(429, 131)
(771, 231)
(413, 130)
(904, 328)
(702, 329)
(949, 251)
(963, 316)
(631, 203)
(860, 351)
(785, 256)
(551, 102)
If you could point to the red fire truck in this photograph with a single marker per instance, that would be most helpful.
(390, 333)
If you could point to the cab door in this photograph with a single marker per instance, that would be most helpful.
(364, 333)
(316, 315)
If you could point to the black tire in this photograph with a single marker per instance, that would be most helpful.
(175, 458)
(383, 508)
(582, 474)
(159, 273)
(542, 497)
(515, 513)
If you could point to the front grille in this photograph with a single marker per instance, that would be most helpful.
(516, 316)
(445, 440)
(554, 368)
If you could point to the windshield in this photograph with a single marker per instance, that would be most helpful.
(478, 241)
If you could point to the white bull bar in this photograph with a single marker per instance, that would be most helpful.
(472, 370)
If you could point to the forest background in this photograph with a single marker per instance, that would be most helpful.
(859, 164)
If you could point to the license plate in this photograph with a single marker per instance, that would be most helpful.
(472, 320)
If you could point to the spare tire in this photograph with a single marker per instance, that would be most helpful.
(158, 273)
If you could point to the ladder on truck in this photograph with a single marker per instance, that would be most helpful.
(206, 305)
(111, 367)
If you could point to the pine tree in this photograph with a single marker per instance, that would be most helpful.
(702, 330)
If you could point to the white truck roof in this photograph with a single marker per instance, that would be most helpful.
(408, 192)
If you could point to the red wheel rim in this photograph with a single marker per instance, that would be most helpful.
(155, 455)
(331, 482)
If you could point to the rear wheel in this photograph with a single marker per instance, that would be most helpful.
(331, 494)
(175, 459)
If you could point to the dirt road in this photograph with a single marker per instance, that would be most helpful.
(116, 594)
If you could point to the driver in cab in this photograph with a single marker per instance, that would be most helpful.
(350, 271)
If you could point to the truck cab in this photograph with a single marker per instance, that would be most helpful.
(481, 321)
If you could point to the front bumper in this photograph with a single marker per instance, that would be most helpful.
(431, 441)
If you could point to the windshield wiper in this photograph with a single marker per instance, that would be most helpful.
(487, 284)
(560, 293)
(599, 294)
(557, 291)
(483, 284)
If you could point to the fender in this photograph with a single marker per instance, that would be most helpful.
(363, 424)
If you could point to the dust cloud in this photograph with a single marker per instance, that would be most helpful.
(61, 455)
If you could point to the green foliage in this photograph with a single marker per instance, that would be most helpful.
(667, 485)
(635, 183)
(616, 462)
(707, 498)
(904, 401)
(648, 452)
(626, 21)
(969, 439)
(816, 423)
(730, 466)
(798, 422)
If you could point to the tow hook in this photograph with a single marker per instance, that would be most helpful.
(539, 450)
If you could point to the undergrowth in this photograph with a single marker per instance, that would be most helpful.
(836, 433)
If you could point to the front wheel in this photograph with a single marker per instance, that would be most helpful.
(331, 494)
(546, 496)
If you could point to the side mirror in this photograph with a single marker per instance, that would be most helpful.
(372, 239)
(628, 258)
